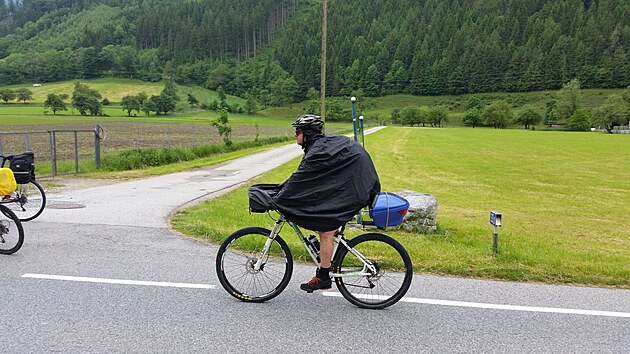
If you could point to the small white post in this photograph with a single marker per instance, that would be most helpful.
(495, 220)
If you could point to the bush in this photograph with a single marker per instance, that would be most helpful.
(580, 120)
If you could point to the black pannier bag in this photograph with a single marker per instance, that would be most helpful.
(260, 197)
(23, 167)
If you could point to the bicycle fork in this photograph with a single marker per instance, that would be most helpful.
(276, 230)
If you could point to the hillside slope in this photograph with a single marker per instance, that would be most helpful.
(256, 47)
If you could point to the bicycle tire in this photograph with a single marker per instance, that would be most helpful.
(11, 238)
(237, 256)
(30, 201)
(385, 287)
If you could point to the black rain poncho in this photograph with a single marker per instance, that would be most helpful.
(335, 180)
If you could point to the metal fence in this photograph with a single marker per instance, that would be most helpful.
(67, 148)
(59, 144)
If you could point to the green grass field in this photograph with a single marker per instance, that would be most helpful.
(564, 199)
(374, 108)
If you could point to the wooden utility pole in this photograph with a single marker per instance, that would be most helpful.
(322, 91)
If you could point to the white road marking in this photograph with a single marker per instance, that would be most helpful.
(500, 307)
(118, 281)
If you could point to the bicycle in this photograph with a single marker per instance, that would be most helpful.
(28, 200)
(254, 264)
(11, 231)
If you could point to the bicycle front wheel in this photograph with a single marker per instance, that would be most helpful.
(29, 202)
(384, 283)
(236, 265)
(11, 231)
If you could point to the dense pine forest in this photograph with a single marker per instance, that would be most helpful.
(256, 47)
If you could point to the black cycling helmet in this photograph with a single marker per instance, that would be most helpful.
(309, 122)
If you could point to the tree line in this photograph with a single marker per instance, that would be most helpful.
(22, 95)
(564, 111)
(438, 47)
(89, 101)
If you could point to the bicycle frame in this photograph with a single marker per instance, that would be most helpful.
(14, 197)
(368, 267)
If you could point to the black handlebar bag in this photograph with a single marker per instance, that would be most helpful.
(261, 197)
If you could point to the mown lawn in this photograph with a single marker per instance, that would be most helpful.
(564, 198)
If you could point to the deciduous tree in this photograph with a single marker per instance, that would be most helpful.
(568, 100)
(223, 125)
(55, 103)
(410, 115)
(528, 117)
(498, 114)
(251, 106)
(86, 100)
(164, 103)
(580, 120)
(472, 117)
(7, 95)
(130, 103)
(24, 95)
(438, 115)
(613, 112)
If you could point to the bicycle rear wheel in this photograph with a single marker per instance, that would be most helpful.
(11, 231)
(30, 201)
(237, 257)
(378, 288)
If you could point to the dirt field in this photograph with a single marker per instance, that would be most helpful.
(120, 136)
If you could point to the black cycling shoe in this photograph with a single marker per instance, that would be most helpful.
(316, 284)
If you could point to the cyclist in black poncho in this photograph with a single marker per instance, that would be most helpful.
(334, 181)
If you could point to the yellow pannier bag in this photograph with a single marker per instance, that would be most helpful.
(7, 181)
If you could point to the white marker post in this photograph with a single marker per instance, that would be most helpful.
(495, 220)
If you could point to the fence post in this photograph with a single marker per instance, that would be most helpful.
(97, 146)
(27, 142)
(53, 152)
(76, 152)
(1, 144)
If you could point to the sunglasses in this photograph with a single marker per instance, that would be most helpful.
(297, 132)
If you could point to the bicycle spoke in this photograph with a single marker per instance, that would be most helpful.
(390, 277)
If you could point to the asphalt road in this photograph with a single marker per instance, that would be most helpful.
(101, 272)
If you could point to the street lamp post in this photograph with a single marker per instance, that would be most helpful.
(322, 94)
